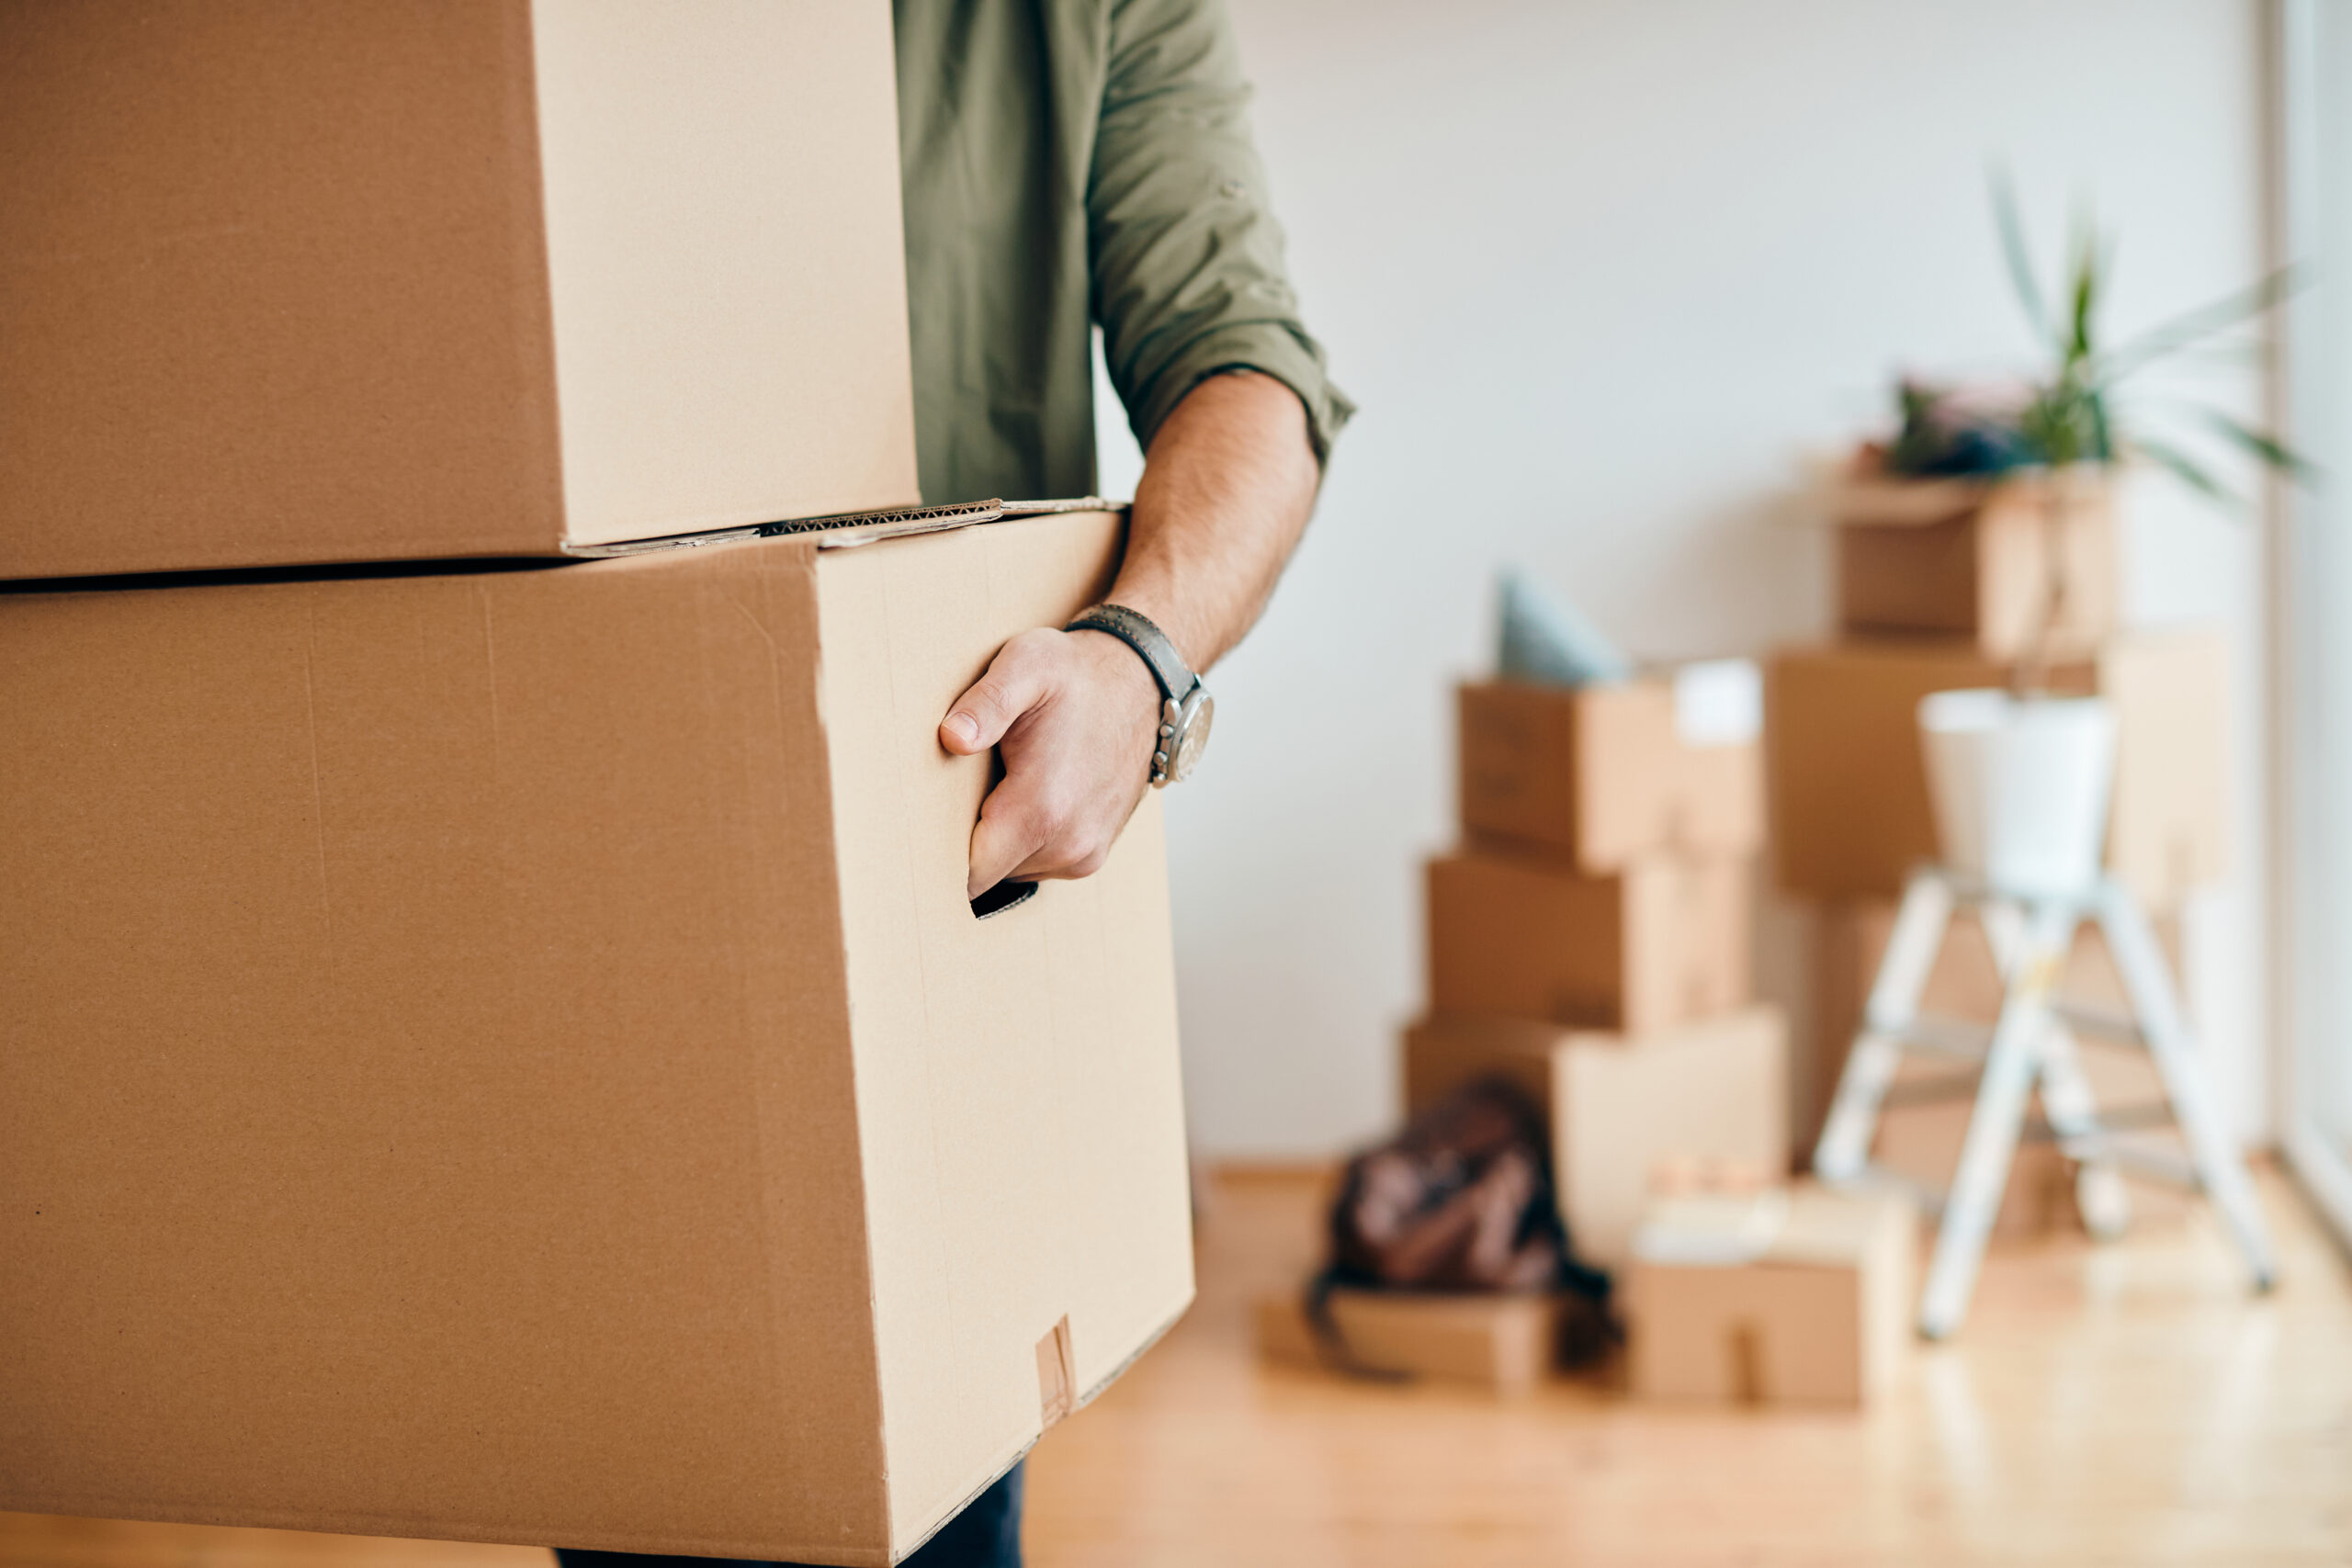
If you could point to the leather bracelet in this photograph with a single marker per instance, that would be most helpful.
(1136, 629)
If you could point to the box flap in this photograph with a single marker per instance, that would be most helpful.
(1877, 500)
(1904, 503)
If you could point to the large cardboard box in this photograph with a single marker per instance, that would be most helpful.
(1619, 1110)
(287, 283)
(1605, 775)
(507, 1055)
(1920, 1138)
(1849, 789)
(1661, 943)
(1819, 1313)
(1503, 1343)
(1959, 559)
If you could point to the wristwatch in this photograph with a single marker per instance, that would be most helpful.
(1185, 708)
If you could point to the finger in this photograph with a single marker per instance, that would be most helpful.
(1010, 831)
(1016, 682)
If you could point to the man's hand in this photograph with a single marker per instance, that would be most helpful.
(1226, 487)
(1077, 713)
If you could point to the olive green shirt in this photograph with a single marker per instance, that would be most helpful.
(1068, 162)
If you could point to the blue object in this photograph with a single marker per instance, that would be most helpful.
(1547, 640)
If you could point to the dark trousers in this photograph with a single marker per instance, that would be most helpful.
(985, 1535)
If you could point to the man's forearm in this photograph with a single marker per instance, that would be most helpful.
(1226, 489)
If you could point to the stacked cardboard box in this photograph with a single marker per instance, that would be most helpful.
(1589, 938)
(498, 1054)
(1939, 585)
(1587, 942)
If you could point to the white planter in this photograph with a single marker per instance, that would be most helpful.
(2020, 786)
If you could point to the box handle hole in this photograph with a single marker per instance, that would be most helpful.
(1002, 896)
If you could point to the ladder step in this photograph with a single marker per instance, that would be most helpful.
(1967, 1039)
(1929, 1091)
(1954, 1038)
(2136, 1159)
(2109, 1119)
(1879, 1178)
(2098, 1023)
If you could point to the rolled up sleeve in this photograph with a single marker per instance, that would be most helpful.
(1187, 259)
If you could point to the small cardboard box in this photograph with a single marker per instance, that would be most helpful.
(1504, 1343)
(287, 284)
(1921, 1140)
(1605, 775)
(1662, 943)
(1848, 788)
(1814, 1309)
(507, 1054)
(1957, 559)
(1620, 1109)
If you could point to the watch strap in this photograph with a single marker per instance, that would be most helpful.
(1133, 629)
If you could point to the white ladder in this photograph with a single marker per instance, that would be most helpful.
(2033, 1041)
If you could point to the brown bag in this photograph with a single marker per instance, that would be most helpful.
(1461, 1200)
(1458, 1201)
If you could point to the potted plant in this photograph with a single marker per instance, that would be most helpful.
(2020, 778)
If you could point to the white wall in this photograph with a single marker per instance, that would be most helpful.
(1600, 274)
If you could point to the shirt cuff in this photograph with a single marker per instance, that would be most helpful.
(1267, 347)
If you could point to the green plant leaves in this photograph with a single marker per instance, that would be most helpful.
(2269, 449)
(2013, 248)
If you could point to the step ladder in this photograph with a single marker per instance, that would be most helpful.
(2031, 1046)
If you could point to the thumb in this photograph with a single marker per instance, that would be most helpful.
(1017, 681)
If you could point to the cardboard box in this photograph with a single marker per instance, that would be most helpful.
(286, 284)
(1505, 1344)
(1604, 775)
(507, 1055)
(1816, 1313)
(1848, 790)
(1662, 943)
(1922, 1140)
(1957, 559)
(1619, 1110)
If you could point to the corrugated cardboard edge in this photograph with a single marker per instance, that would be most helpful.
(849, 529)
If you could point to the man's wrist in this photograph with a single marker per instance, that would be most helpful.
(1186, 709)
(1131, 673)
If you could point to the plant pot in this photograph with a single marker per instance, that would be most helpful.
(2020, 786)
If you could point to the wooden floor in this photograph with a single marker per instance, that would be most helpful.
(2125, 1405)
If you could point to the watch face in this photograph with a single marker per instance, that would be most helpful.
(1192, 734)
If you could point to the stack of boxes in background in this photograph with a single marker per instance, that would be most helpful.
(1591, 934)
(1941, 585)
(1588, 941)
(508, 1053)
